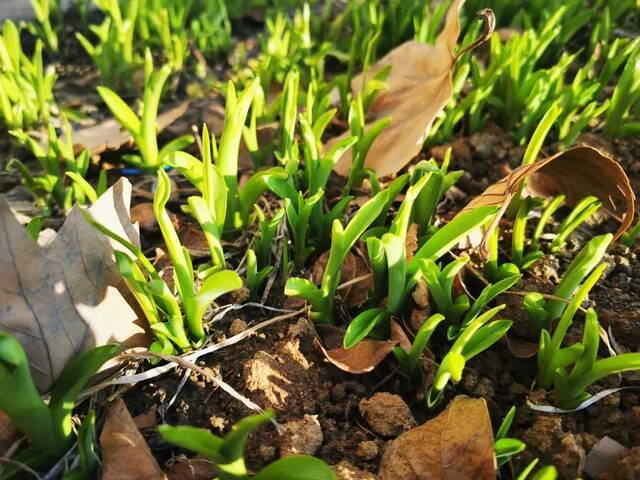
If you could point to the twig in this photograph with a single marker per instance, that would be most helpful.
(21, 466)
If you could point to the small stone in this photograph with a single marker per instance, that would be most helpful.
(302, 437)
(387, 414)
(240, 295)
(217, 423)
(485, 388)
(267, 453)
(346, 471)
(302, 328)
(237, 327)
(338, 392)
(367, 450)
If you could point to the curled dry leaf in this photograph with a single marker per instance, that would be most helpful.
(125, 453)
(191, 469)
(63, 299)
(108, 135)
(419, 87)
(520, 348)
(458, 443)
(364, 356)
(143, 215)
(576, 173)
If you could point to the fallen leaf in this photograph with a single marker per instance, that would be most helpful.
(520, 348)
(109, 135)
(458, 443)
(191, 469)
(63, 299)
(411, 242)
(125, 453)
(418, 88)
(9, 434)
(148, 419)
(361, 358)
(603, 457)
(576, 173)
(143, 215)
(420, 294)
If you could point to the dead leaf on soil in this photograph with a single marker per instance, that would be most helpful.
(191, 469)
(520, 348)
(148, 419)
(458, 443)
(576, 173)
(143, 215)
(125, 453)
(9, 434)
(63, 299)
(361, 358)
(108, 135)
(418, 88)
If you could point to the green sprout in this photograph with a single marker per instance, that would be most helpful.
(630, 237)
(57, 160)
(46, 11)
(342, 240)
(580, 213)
(409, 360)
(26, 85)
(478, 335)
(572, 369)
(144, 130)
(157, 301)
(114, 53)
(626, 95)
(48, 426)
(519, 258)
(440, 284)
(542, 312)
(505, 447)
(228, 452)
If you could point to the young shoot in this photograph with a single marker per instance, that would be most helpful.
(479, 335)
(540, 311)
(47, 426)
(505, 447)
(144, 129)
(409, 360)
(228, 452)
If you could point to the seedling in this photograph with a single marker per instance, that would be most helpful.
(505, 447)
(26, 85)
(572, 369)
(542, 312)
(630, 237)
(440, 283)
(46, 11)
(114, 53)
(409, 360)
(495, 270)
(619, 121)
(228, 452)
(255, 277)
(342, 240)
(580, 213)
(144, 130)
(57, 160)
(156, 300)
(479, 335)
(263, 243)
(48, 426)
(440, 181)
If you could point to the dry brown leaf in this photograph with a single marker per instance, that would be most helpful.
(576, 173)
(361, 358)
(456, 444)
(143, 215)
(419, 86)
(520, 348)
(125, 453)
(108, 135)
(148, 419)
(63, 299)
(9, 433)
(191, 469)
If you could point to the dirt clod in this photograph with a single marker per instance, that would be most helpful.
(367, 450)
(303, 437)
(387, 414)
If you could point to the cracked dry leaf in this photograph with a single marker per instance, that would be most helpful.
(576, 173)
(62, 299)
(458, 443)
(419, 87)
